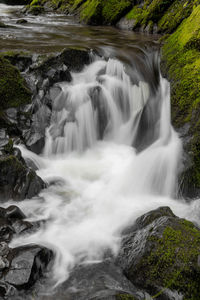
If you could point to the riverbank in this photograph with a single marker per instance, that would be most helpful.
(178, 22)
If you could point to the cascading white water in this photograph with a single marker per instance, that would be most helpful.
(92, 96)
(101, 183)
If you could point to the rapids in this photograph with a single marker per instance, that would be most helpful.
(100, 183)
(110, 154)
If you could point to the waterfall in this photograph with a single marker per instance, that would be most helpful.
(103, 174)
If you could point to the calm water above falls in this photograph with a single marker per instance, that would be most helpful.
(110, 147)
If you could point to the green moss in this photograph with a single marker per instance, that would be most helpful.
(182, 61)
(103, 11)
(150, 12)
(13, 91)
(169, 263)
(113, 10)
(91, 12)
(175, 14)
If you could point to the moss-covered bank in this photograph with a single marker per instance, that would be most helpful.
(181, 62)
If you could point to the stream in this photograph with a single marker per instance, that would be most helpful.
(110, 149)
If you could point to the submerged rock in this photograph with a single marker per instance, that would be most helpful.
(21, 21)
(160, 253)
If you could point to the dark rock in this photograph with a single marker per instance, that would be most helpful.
(6, 230)
(17, 181)
(21, 21)
(27, 265)
(160, 254)
(20, 60)
(21, 226)
(14, 212)
(4, 249)
(126, 24)
(35, 10)
(75, 59)
(35, 141)
(98, 104)
(96, 281)
(2, 25)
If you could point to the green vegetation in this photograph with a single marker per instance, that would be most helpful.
(182, 63)
(104, 12)
(13, 91)
(172, 260)
(169, 264)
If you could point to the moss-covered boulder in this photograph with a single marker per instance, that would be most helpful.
(17, 181)
(161, 253)
(181, 64)
(13, 89)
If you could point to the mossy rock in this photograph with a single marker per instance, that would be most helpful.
(17, 181)
(181, 63)
(98, 12)
(13, 90)
(162, 253)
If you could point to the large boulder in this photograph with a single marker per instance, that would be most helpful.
(160, 253)
(17, 181)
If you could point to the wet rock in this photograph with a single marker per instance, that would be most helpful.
(27, 265)
(21, 226)
(6, 230)
(4, 249)
(35, 141)
(68, 60)
(21, 21)
(17, 181)
(160, 254)
(97, 281)
(14, 212)
(35, 10)
(126, 24)
(21, 60)
(96, 98)
(3, 25)
(75, 59)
